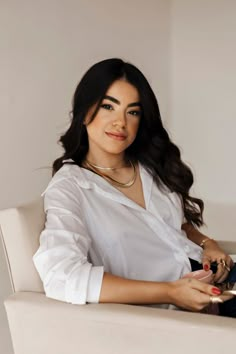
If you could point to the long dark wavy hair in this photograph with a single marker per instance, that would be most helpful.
(152, 146)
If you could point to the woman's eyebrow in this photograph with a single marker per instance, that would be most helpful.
(113, 99)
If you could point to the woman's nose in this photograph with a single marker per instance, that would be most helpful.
(120, 121)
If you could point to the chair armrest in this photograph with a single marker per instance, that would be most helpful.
(41, 325)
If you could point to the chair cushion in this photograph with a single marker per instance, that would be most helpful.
(41, 325)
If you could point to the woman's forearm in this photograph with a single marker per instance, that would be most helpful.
(191, 295)
(125, 291)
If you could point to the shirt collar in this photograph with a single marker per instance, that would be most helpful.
(86, 179)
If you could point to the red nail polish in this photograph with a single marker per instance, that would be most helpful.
(216, 291)
(206, 267)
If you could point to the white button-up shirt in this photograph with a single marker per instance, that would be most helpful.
(92, 227)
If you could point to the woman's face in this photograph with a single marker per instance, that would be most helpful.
(116, 123)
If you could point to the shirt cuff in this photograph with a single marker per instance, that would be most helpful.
(95, 284)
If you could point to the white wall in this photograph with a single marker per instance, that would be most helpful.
(47, 46)
(203, 103)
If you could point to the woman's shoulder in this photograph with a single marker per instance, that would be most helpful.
(69, 176)
(68, 170)
(64, 189)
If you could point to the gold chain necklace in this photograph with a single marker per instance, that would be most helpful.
(104, 168)
(112, 180)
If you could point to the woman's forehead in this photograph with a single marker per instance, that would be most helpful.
(123, 91)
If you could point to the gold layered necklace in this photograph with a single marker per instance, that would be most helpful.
(113, 181)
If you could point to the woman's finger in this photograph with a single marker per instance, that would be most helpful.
(206, 264)
(229, 262)
(223, 277)
(221, 271)
(205, 288)
(225, 269)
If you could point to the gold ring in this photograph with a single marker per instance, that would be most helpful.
(215, 300)
(222, 261)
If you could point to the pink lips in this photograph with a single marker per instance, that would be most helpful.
(116, 136)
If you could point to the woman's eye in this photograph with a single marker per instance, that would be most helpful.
(135, 113)
(107, 106)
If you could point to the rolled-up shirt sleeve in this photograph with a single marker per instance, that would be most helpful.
(62, 257)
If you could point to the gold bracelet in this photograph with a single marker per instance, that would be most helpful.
(204, 241)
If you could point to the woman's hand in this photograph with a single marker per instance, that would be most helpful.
(213, 253)
(191, 294)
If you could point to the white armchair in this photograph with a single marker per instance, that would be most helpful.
(40, 325)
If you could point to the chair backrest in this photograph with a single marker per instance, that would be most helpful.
(20, 228)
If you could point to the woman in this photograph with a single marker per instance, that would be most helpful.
(121, 226)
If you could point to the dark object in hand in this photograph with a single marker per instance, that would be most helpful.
(213, 267)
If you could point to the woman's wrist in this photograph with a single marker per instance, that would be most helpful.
(170, 291)
(206, 242)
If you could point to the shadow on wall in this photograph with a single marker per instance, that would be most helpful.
(221, 221)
